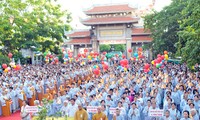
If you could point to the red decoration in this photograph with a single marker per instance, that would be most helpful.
(91, 54)
(85, 50)
(79, 55)
(129, 50)
(146, 66)
(96, 53)
(139, 49)
(105, 66)
(10, 55)
(84, 55)
(124, 62)
(159, 59)
(70, 55)
(165, 52)
(50, 56)
(162, 57)
(146, 70)
(96, 71)
(158, 55)
(4, 66)
(102, 62)
(104, 53)
(155, 61)
(162, 66)
(140, 56)
(123, 56)
(56, 60)
(18, 67)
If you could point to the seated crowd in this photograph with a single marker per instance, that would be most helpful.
(131, 92)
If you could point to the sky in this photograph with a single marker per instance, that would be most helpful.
(76, 7)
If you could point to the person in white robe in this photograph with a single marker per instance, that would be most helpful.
(72, 108)
(133, 113)
(167, 116)
(174, 112)
(65, 109)
(24, 114)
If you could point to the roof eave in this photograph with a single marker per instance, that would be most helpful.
(96, 13)
(81, 36)
(101, 23)
(137, 34)
(148, 41)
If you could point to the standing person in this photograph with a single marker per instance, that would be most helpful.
(36, 114)
(81, 114)
(24, 115)
(134, 113)
(118, 116)
(64, 109)
(99, 115)
(72, 108)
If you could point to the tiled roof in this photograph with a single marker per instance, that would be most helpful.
(79, 41)
(80, 34)
(141, 38)
(110, 20)
(140, 31)
(110, 9)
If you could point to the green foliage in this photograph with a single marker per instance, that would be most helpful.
(36, 23)
(120, 47)
(4, 59)
(189, 44)
(44, 109)
(164, 27)
(105, 48)
(176, 29)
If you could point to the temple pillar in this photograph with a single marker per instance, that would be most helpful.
(128, 40)
(32, 58)
(75, 50)
(128, 46)
(95, 45)
(150, 55)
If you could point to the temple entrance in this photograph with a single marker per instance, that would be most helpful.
(110, 28)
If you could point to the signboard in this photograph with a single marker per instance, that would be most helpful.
(92, 109)
(113, 110)
(59, 118)
(31, 109)
(111, 33)
(156, 112)
(112, 41)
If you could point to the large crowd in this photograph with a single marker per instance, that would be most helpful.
(72, 87)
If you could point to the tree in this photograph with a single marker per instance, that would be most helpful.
(190, 35)
(105, 48)
(164, 27)
(4, 59)
(26, 23)
(177, 29)
(119, 47)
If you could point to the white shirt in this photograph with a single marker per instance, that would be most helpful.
(65, 110)
(72, 110)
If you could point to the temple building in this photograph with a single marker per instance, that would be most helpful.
(110, 24)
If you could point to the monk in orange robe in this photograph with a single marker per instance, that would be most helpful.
(6, 103)
(32, 99)
(62, 89)
(22, 96)
(48, 95)
(40, 94)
